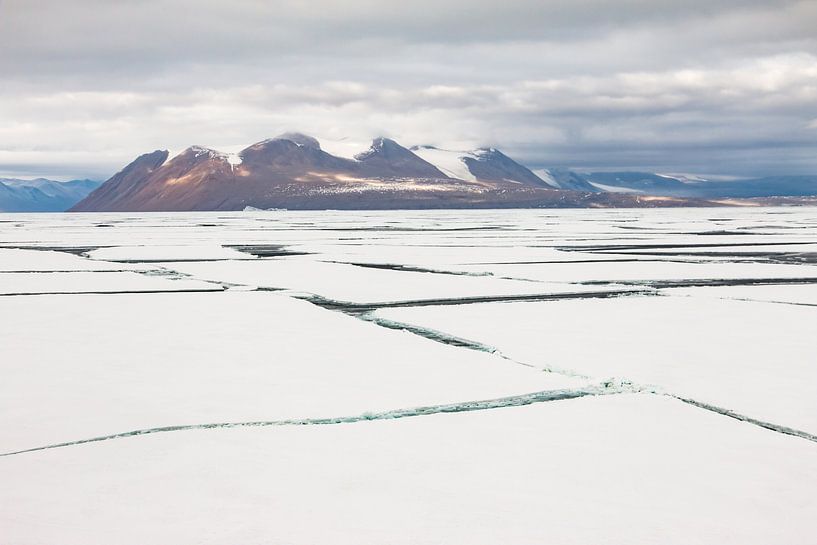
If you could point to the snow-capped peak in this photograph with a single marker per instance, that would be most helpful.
(201, 150)
(234, 159)
(302, 140)
(378, 144)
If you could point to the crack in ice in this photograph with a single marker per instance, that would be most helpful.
(357, 308)
(604, 388)
(748, 419)
(459, 342)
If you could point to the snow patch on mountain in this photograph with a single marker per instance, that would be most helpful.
(614, 189)
(201, 150)
(377, 146)
(547, 177)
(234, 159)
(449, 162)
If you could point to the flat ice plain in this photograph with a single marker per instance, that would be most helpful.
(458, 377)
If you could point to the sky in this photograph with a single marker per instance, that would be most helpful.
(701, 86)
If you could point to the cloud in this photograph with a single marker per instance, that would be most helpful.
(690, 86)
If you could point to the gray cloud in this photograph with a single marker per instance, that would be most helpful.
(724, 87)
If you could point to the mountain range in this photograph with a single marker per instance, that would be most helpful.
(696, 187)
(294, 171)
(42, 195)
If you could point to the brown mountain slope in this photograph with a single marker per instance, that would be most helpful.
(118, 189)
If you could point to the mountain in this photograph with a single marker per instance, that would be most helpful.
(770, 186)
(639, 182)
(42, 195)
(676, 185)
(293, 171)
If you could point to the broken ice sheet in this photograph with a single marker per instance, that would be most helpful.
(152, 253)
(96, 282)
(16, 260)
(616, 470)
(750, 357)
(645, 270)
(342, 282)
(791, 294)
(114, 364)
(598, 469)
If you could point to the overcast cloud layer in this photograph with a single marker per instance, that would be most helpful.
(706, 87)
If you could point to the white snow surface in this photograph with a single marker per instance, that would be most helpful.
(90, 282)
(225, 357)
(350, 283)
(151, 253)
(614, 470)
(620, 468)
(803, 294)
(16, 260)
(645, 270)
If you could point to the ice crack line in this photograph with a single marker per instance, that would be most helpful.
(357, 308)
(459, 342)
(743, 418)
(409, 268)
(113, 292)
(604, 388)
(704, 282)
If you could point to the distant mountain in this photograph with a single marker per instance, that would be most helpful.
(694, 187)
(771, 186)
(640, 182)
(42, 195)
(293, 171)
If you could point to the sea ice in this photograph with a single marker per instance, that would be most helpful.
(629, 469)
(750, 357)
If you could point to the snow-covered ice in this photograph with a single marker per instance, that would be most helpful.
(26, 261)
(372, 377)
(644, 270)
(134, 362)
(356, 284)
(152, 253)
(753, 358)
(804, 294)
(96, 282)
(615, 470)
